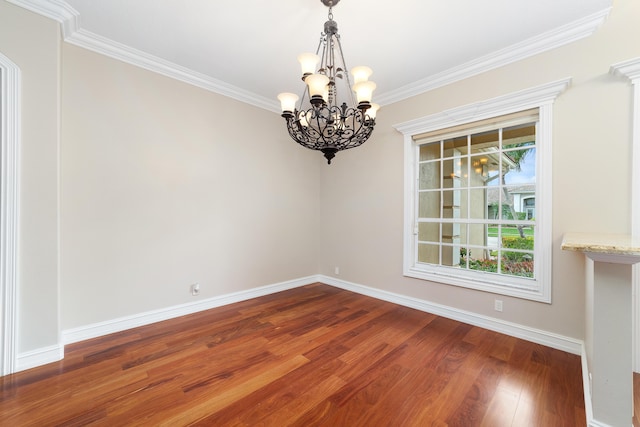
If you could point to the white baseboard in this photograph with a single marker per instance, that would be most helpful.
(549, 339)
(54, 353)
(595, 423)
(123, 323)
(39, 357)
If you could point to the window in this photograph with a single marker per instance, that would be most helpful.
(462, 176)
(478, 195)
(530, 207)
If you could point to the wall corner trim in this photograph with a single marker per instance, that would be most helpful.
(10, 136)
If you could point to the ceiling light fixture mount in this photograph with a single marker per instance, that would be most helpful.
(328, 123)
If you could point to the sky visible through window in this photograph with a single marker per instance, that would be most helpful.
(526, 174)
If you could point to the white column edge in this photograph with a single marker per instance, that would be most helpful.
(631, 70)
(9, 210)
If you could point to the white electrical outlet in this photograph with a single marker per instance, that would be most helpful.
(497, 305)
(195, 289)
(336, 270)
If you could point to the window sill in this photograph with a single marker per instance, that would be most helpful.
(483, 282)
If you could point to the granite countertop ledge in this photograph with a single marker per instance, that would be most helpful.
(612, 244)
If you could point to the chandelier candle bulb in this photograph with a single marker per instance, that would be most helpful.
(364, 93)
(317, 87)
(361, 74)
(288, 103)
(308, 63)
(371, 112)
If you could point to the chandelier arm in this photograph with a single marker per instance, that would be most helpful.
(325, 54)
(346, 72)
(320, 44)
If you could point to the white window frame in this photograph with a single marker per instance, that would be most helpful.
(541, 98)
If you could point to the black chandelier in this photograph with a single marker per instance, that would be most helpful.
(328, 124)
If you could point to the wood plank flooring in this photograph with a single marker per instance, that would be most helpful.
(311, 356)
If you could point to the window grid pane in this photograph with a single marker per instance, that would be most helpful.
(482, 216)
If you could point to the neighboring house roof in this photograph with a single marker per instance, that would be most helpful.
(493, 193)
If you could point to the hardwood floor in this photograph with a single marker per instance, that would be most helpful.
(311, 356)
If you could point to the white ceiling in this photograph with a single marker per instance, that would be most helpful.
(410, 44)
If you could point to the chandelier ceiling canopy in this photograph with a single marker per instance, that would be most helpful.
(328, 118)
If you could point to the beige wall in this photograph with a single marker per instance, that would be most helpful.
(165, 184)
(32, 43)
(362, 192)
(162, 185)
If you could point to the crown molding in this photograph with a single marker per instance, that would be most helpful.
(629, 69)
(57, 10)
(550, 40)
(124, 53)
(68, 17)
